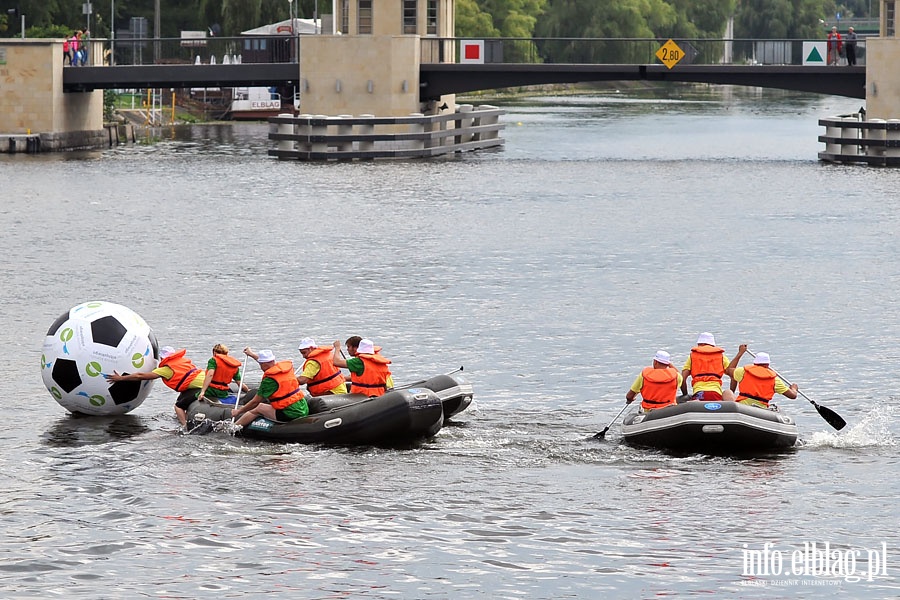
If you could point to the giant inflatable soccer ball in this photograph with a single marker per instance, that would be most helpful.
(92, 340)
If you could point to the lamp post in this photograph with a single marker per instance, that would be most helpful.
(112, 32)
(293, 33)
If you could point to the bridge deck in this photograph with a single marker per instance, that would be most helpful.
(437, 79)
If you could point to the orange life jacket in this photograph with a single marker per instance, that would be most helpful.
(758, 383)
(288, 390)
(183, 370)
(226, 369)
(660, 387)
(707, 364)
(373, 381)
(328, 377)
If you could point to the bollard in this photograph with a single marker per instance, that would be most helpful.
(490, 120)
(344, 129)
(366, 129)
(875, 135)
(302, 131)
(464, 123)
(319, 130)
(892, 137)
(417, 127)
(851, 149)
(12, 145)
(832, 131)
(285, 129)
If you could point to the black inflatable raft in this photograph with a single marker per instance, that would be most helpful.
(398, 417)
(711, 427)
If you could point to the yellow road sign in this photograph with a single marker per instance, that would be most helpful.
(669, 54)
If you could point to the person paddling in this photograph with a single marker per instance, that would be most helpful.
(320, 375)
(221, 370)
(284, 399)
(758, 383)
(657, 385)
(369, 372)
(705, 366)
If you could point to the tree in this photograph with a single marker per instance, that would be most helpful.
(472, 22)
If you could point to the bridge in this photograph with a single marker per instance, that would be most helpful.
(513, 62)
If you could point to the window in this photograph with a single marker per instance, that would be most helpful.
(889, 19)
(410, 16)
(345, 16)
(364, 16)
(431, 17)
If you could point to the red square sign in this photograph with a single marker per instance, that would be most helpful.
(472, 52)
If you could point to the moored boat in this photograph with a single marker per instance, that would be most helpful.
(711, 427)
(398, 417)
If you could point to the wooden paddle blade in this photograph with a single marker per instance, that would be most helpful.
(833, 419)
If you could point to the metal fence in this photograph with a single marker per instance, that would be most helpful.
(272, 49)
(626, 50)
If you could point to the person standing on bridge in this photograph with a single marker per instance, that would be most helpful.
(850, 47)
(835, 45)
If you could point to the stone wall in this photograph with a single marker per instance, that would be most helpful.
(356, 75)
(882, 78)
(32, 98)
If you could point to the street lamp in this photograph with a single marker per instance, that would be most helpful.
(293, 33)
(112, 32)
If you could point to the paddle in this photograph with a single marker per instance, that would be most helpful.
(421, 381)
(237, 399)
(602, 434)
(829, 415)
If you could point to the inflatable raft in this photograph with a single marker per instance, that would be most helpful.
(454, 390)
(711, 427)
(406, 414)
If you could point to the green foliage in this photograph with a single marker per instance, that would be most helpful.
(788, 19)
(472, 22)
(110, 100)
(49, 31)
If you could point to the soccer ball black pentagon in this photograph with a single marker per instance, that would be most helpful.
(89, 341)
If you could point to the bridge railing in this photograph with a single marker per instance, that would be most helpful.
(696, 51)
(282, 48)
(244, 49)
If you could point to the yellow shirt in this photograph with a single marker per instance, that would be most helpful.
(312, 368)
(167, 372)
(706, 386)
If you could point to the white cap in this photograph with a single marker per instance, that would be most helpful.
(265, 356)
(366, 346)
(761, 359)
(166, 351)
(663, 357)
(306, 343)
(706, 338)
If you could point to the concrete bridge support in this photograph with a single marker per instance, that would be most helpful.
(32, 102)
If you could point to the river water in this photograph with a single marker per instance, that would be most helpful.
(609, 226)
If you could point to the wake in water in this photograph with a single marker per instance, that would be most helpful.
(873, 430)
